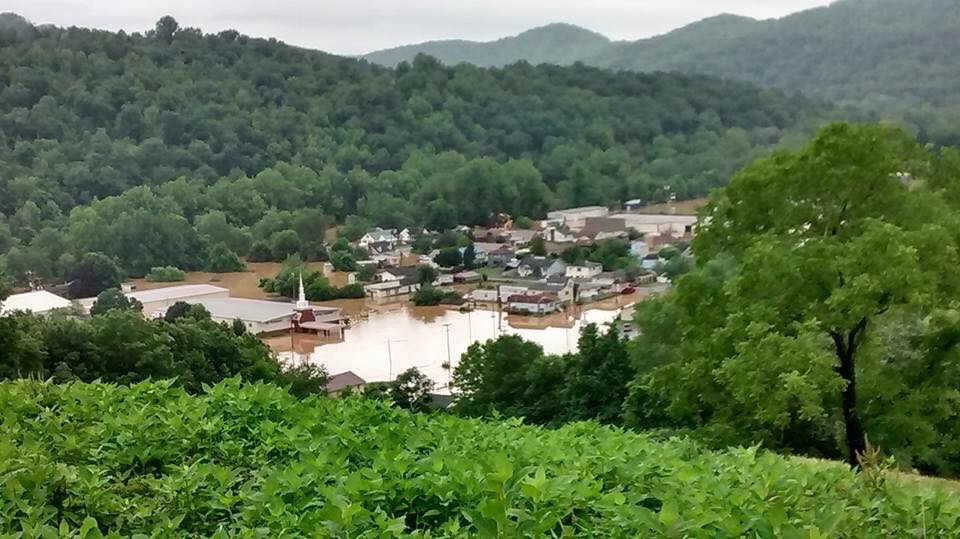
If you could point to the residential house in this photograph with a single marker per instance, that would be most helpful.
(540, 267)
(479, 254)
(584, 270)
(379, 236)
(651, 261)
(408, 236)
(521, 237)
(501, 256)
(639, 249)
(396, 273)
(345, 381)
(36, 302)
(574, 217)
(536, 304)
(467, 277)
(633, 205)
(558, 234)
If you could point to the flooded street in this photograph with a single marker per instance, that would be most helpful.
(396, 337)
(385, 339)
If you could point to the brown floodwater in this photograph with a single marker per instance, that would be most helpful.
(391, 338)
(385, 339)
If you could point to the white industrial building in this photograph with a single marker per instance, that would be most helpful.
(37, 302)
(576, 217)
(157, 301)
(670, 225)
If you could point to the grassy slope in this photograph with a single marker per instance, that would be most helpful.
(252, 461)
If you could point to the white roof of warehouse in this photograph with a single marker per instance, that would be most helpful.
(38, 301)
(175, 292)
(252, 310)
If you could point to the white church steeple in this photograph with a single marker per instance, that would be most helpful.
(302, 303)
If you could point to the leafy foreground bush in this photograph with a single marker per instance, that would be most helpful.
(252, 461)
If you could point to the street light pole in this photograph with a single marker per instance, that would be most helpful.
(449, 364)
(389, 360)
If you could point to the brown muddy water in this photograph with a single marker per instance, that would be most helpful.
(385, 339)
(392, 338)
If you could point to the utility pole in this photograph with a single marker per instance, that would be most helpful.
(389, 360)
(449, 364)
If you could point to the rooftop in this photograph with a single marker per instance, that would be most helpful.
(175, 292)
(344, 380)
(583, 209)
(252, 310)
(532, 298)
(38, 301)
(655, 219)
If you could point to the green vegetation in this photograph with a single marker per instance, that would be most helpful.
(429, 295)
(316, 287)
(166, 274)
(513, 377)
(221, 259)
(112, 299)
(897, 58)
(118, 345)
(255, 462)
(154, 148)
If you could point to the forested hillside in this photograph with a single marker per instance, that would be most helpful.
(560, 44)
(900, 58)
(155, 148)
(149, 460)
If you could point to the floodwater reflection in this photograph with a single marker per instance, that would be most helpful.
(397, 337)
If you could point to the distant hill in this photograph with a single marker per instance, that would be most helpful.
(560, 44)
(885, 55)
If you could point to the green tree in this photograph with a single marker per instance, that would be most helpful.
(537, 246)
(449, 257)
(469, 256)
(94, 273)
(221, 259)
(410, 390)
(284, 244)
(427, 274)
(343, 261)
(494, 376)
(166, 274)
(854, 211)
(112, 299)
(366, 273)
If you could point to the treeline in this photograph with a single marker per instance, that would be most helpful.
(154, 149)
(820, 318)
(118, 345)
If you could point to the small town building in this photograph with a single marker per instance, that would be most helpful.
(671, 225)
(639, 248)
(597, 229)
(540, 267)
(262, 316)
(633, 205)
(501, 256)
(156, 301)
(584, 270)
(534, 304)
(344, 381)
(467, 277)
(574, 217)
(379, 236)
(36, 302)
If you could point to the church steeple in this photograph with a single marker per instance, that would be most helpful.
(302, 303)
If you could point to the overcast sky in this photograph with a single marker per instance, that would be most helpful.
(359, 26)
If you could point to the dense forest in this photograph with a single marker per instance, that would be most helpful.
(898, 58)
(820, 318)
(153, 149)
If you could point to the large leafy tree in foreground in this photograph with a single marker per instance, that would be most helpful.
(805, 260)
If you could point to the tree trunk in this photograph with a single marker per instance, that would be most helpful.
(846, 353)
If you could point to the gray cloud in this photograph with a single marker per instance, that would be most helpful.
(357, 26)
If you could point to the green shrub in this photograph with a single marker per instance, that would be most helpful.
(253, 461)
(166, 274)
